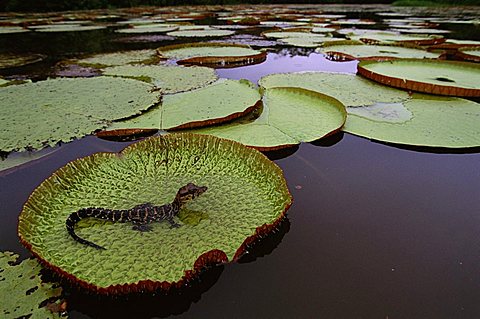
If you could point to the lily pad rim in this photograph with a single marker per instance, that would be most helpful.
(210, 258)
(418, 86)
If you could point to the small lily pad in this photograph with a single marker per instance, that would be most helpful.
(216, 103)
(289, 116)
(376, 37)
(430, 76)
(247, 197)
(167, 78)
(213, 54)
(349, 89)
(24, 295)
(68, 28)
(12, 29)
(424, 120)
(34, 115)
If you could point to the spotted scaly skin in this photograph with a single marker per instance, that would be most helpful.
(141, 215)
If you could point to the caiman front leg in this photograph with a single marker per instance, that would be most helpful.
(173, 224)
(142, 227)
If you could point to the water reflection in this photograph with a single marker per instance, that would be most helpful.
(141, 306)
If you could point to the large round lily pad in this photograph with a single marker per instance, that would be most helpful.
(119, 58)
(349, 89)
(430, 76)
(289, 116)
(216, 103)
(213, 54)
(246, 197)
(209, 32)
(469, 53)
(376, 37)
(424, 120)
(24, 295)
(16, 60)
(150, 28)
(33, 115)
(168, 78)
(354, 50)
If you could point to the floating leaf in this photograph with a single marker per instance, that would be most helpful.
(216, 103)
(375, 37)
(12, 29)
(351, 50)
(422, 121)
(150, 28)
(211, 32)
(119, 58)
(246, 197)
(17, 159)
(34, 115)
(168, 78)
(16, 60)
(24, 295)
(289, 116)
(214, 54)
(349, 89)
(469, 53)
(68, 28)
(430, 76)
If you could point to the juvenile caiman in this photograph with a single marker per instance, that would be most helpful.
(141, 215)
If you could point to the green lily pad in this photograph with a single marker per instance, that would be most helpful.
(34, 115)
(349, 89)
(355, 50)
(24, 295)
(12, 29)
(17, 60)
(469, 53)
(68, 28)
(430, 76)
(211, 32)
(3, 82)
(375, 37)
(215, 54)
(421, 121)
(168, 78)
(289, 116)
(247, 196)
(216, 103)
(119, 58)
(287, 34)
(149, 28)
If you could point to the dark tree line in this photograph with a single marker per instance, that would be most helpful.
(59, 5)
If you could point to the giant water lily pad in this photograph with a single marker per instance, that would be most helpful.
(214, 54)
(349, 89)
(168, 78)
(34, 115)
(216, 103)
(24, 295)
(17, 60)
(209, 32)
(150, 28)
(421, 121)
(289, 116)
(68, 28)
(354, 50)
(375, 37)
(119, 58)
(470, 53)
(437, 77)
(246, 197)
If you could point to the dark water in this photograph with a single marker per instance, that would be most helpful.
(375, 231)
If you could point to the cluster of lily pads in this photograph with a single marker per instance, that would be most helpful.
(404, 93)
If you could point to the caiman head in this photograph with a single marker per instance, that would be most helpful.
(189, 192)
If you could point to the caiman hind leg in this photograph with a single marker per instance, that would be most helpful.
(173, 224)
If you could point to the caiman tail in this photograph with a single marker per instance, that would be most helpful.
(74, 218)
